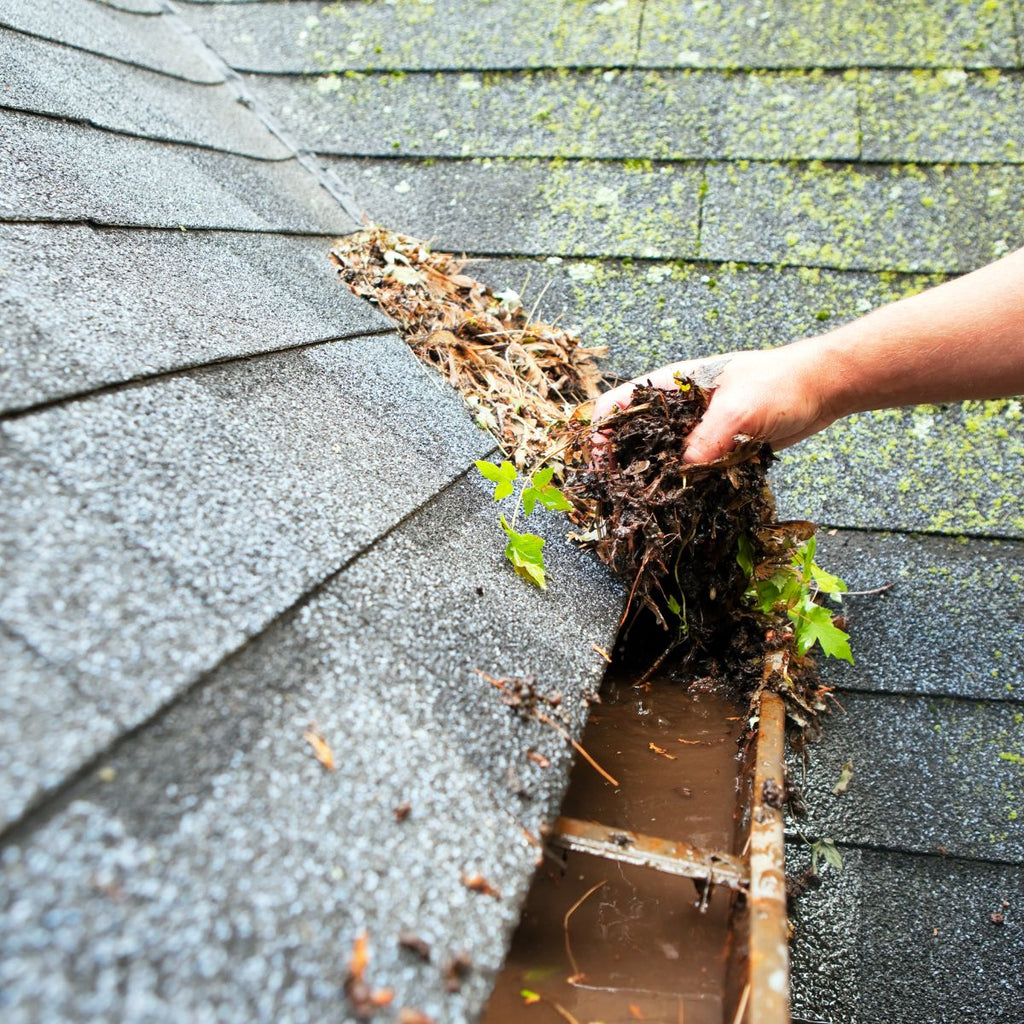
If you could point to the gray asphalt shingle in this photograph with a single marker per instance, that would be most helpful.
(929, 775)
(942, 115)
(191, 849)
(875, 217)
(580, 114)
(269, 489)
(58, 171)
(534, 206)
(943, 469)
(145, 302)
(809, 33)
(930, 916)
(306, 36)
(903, 640)
(48, 78)
(104, 29)
(158, 527)
(119, 631)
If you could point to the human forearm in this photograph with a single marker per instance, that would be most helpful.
(963, 339)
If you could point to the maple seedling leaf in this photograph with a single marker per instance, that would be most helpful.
(813, 624)
(524, 551)
(543, 490)
(503, 476)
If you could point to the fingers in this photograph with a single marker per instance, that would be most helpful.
(713, 436)
(621, 396)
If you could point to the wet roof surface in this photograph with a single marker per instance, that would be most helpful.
(240, 506)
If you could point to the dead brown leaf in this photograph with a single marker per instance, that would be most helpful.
(480, 884)
(321, 749)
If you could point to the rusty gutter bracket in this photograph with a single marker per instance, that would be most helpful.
(673, 857)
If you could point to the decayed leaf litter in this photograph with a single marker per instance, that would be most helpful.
(698, 544)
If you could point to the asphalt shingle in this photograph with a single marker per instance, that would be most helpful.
(145, 302)
(931, 468)
(787, 115)
(874, 217)
(157, 527)
(534, 206)
(58, 171)
(410, 35)
(810, 33)
(930, 916)
(104, 29)
(654, 312)
(37, 702)
(268, 490)
(929, 775)
(113, 632)
(943, 115)
(902, 639)
(49, 78)
(245, 871)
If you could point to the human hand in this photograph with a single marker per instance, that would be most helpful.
(776, 395)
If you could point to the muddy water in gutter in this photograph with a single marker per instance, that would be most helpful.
(638, 947)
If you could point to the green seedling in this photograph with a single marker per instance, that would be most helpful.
(793, 590)
(826, 850)
(524, 550)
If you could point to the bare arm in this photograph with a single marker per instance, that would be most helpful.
(962, 339)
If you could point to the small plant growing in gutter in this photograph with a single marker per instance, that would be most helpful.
(792, 590)
(524, 550)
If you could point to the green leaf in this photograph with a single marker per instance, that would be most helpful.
(504, 476)
(545, 492)
(524, 551)
(827, 583)
(845, 778)
(745, 555)
(813, 624)
(826, 849)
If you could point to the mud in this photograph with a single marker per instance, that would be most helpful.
(640, 946)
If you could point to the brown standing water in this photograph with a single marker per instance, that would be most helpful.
(637, 946)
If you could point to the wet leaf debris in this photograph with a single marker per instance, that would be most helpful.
(735, 593)
(731, 589)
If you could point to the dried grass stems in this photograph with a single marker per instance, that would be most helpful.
(521, 378)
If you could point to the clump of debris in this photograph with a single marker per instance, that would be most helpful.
(673, 530)
(693, 540)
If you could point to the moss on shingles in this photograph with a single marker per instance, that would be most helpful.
(936, 469)
(650, 313)
(561, 207)
(829, 33)
(944, 115)
(942, 218)
(597, 113)
(409, 34)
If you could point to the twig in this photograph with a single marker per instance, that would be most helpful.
(500, 684)
(579, 750)
(742, 1008)
(865, 593)
(562, 1012)
(565, 925)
